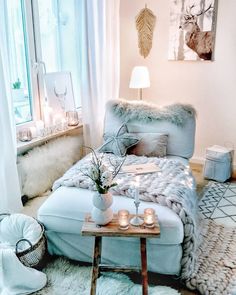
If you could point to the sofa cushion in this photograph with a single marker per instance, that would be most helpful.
(119, 142)
(150, 145)
(180, 138)
(64, 212)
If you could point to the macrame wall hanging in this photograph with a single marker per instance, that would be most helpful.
(145, 23)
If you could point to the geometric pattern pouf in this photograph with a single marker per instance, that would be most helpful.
(219, 203)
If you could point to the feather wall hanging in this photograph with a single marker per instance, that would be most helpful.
(145, 23)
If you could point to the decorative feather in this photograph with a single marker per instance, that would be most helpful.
(145, 23)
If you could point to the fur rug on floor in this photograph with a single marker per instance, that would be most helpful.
(66, 277)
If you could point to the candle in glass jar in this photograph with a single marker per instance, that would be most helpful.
(25, 135)
(149, 217)
(72, 118)
(123, 219)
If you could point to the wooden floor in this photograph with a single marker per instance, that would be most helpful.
(154, 279)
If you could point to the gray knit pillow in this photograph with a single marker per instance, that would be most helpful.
(119, 143)
(150, 145)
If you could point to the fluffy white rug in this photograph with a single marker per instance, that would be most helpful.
(43, 165)
(65, 277)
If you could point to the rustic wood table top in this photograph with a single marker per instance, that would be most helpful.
(112, 229)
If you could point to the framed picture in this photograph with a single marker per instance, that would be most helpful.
(192, 29)
(59, 90)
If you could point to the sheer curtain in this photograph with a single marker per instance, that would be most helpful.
(10, 200)
(98, 24)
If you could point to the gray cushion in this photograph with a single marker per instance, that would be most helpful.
(150, 145)
(119, 142)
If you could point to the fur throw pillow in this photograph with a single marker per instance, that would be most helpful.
(42, 165)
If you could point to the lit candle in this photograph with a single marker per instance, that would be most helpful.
(149, 217)
(123, 219)
(57, 119)
(48, 116)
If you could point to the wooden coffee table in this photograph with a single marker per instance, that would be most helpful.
(112, 230)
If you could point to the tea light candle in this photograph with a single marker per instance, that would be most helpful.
(149, 217)
(123, 219)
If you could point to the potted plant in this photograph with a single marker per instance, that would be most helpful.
(17, 91)
(102, 177)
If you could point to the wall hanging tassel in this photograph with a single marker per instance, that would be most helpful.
(145, 23)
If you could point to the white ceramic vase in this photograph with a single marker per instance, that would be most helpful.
(101, 212)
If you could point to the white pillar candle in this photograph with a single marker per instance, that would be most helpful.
(33, 131)
(48, 119)
(39, 127)
(136, 189)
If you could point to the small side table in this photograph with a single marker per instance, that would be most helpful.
(112, 230)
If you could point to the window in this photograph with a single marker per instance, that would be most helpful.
(19, 60)
(39, 32)
(59, 46)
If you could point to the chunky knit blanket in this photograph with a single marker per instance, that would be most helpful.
(173, 186)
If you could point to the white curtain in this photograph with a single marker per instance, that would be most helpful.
(99, 62)
(10, 200)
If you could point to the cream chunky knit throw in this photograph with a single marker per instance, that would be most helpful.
(173, 186)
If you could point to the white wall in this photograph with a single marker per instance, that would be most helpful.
(209, 86)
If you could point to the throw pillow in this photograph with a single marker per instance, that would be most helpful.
(119, 142)
(150, 145)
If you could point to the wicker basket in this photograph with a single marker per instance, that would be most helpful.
(34, 255)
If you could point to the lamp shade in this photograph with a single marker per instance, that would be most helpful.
(139, 78)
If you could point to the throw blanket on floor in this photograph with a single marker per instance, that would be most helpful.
(173, 186)
(15, 278)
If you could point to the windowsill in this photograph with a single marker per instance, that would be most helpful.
(23, 147)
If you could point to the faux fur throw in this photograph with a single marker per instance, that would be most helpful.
(145, 112)
(173, 186)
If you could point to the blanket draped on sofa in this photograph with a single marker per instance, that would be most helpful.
(173, 186)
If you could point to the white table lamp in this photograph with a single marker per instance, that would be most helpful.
(139, 79)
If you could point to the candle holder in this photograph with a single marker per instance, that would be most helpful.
(25, 135)
(136, 220)
(123, 219)
(72, 118)
(149, 217)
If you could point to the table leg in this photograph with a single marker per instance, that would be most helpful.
(144, 265)
(96, 261)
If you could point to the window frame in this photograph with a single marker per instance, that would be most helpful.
(34, 68)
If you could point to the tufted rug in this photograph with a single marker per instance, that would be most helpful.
(66, 277)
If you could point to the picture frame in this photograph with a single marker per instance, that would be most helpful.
(192, 30)
(59, 89)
